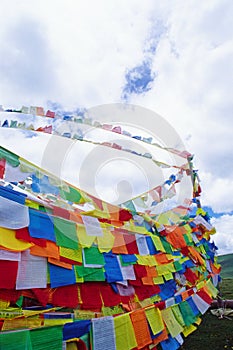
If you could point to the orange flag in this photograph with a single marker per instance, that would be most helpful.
(141, 329)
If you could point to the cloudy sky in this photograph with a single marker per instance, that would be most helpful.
(172, 57)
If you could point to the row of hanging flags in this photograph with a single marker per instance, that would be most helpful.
(74, 268)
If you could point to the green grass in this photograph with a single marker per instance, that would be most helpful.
(213, 333)
(226, 262)
(226, 289)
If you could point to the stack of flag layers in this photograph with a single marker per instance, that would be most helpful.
(103, 276)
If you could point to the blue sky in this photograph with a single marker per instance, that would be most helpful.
(174, 58)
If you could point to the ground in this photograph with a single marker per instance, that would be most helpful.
(213, 333)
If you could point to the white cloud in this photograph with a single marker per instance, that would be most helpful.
(224, 236)
(77, 53)
(91, 44)
(193, 90)
(217, 192)
(27, 68)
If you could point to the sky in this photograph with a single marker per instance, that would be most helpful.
(172, 57)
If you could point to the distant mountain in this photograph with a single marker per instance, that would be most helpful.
(226, 262)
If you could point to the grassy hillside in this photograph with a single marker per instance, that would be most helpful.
(213, 333)
(226, 262)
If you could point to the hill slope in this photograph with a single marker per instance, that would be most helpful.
(226, 262)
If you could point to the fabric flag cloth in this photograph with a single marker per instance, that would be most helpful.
(10, 256)
(136, 275)
(173, 326)
(74, 255)
(67, 296)
(103, 333)
(13, 174)
(24, 235)
(119, 246)
(66, 234)
(41, 225)
(48, 338)
(32, 271)
(155, 320)
(125, 290)
(92, 257)
(151, 246)
(105, 242)
(110, 298)
(180, 339)
(177, 313)
(90, 296)
(141, 329)
(200, 303)
(13, 215)
(60, 276)
(84, 239)
(11, 194)
(170, 344)
(142, 245)
(76, 329)
(189, 330)
(193, 306)
(8, 274)
(125, 336)
(127, 271)
(50, 250)
(9, 241)
(112, 268)
(28, 322)
(131, 244)
(90, 273)
(20, 340)
(187, 313)
(128, 259)
(92, 226)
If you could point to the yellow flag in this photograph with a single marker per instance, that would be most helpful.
(125, 337)
(188, 330)
(165, 269)
(4, 304)
(8, 240)
(158, 244)
(198, 321)
(22, 323)
(105, 242)
(158, 280)
(83, 238)
(56, 321)
(146, 302)
(30, 313)
(148, 260)
(32, 204)
(172, 324)
(72, 254)
(178, 315)
(168, 276)
(164, 218)
(154, 318)
(211, 289)
(200, 285)
(138, 229)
